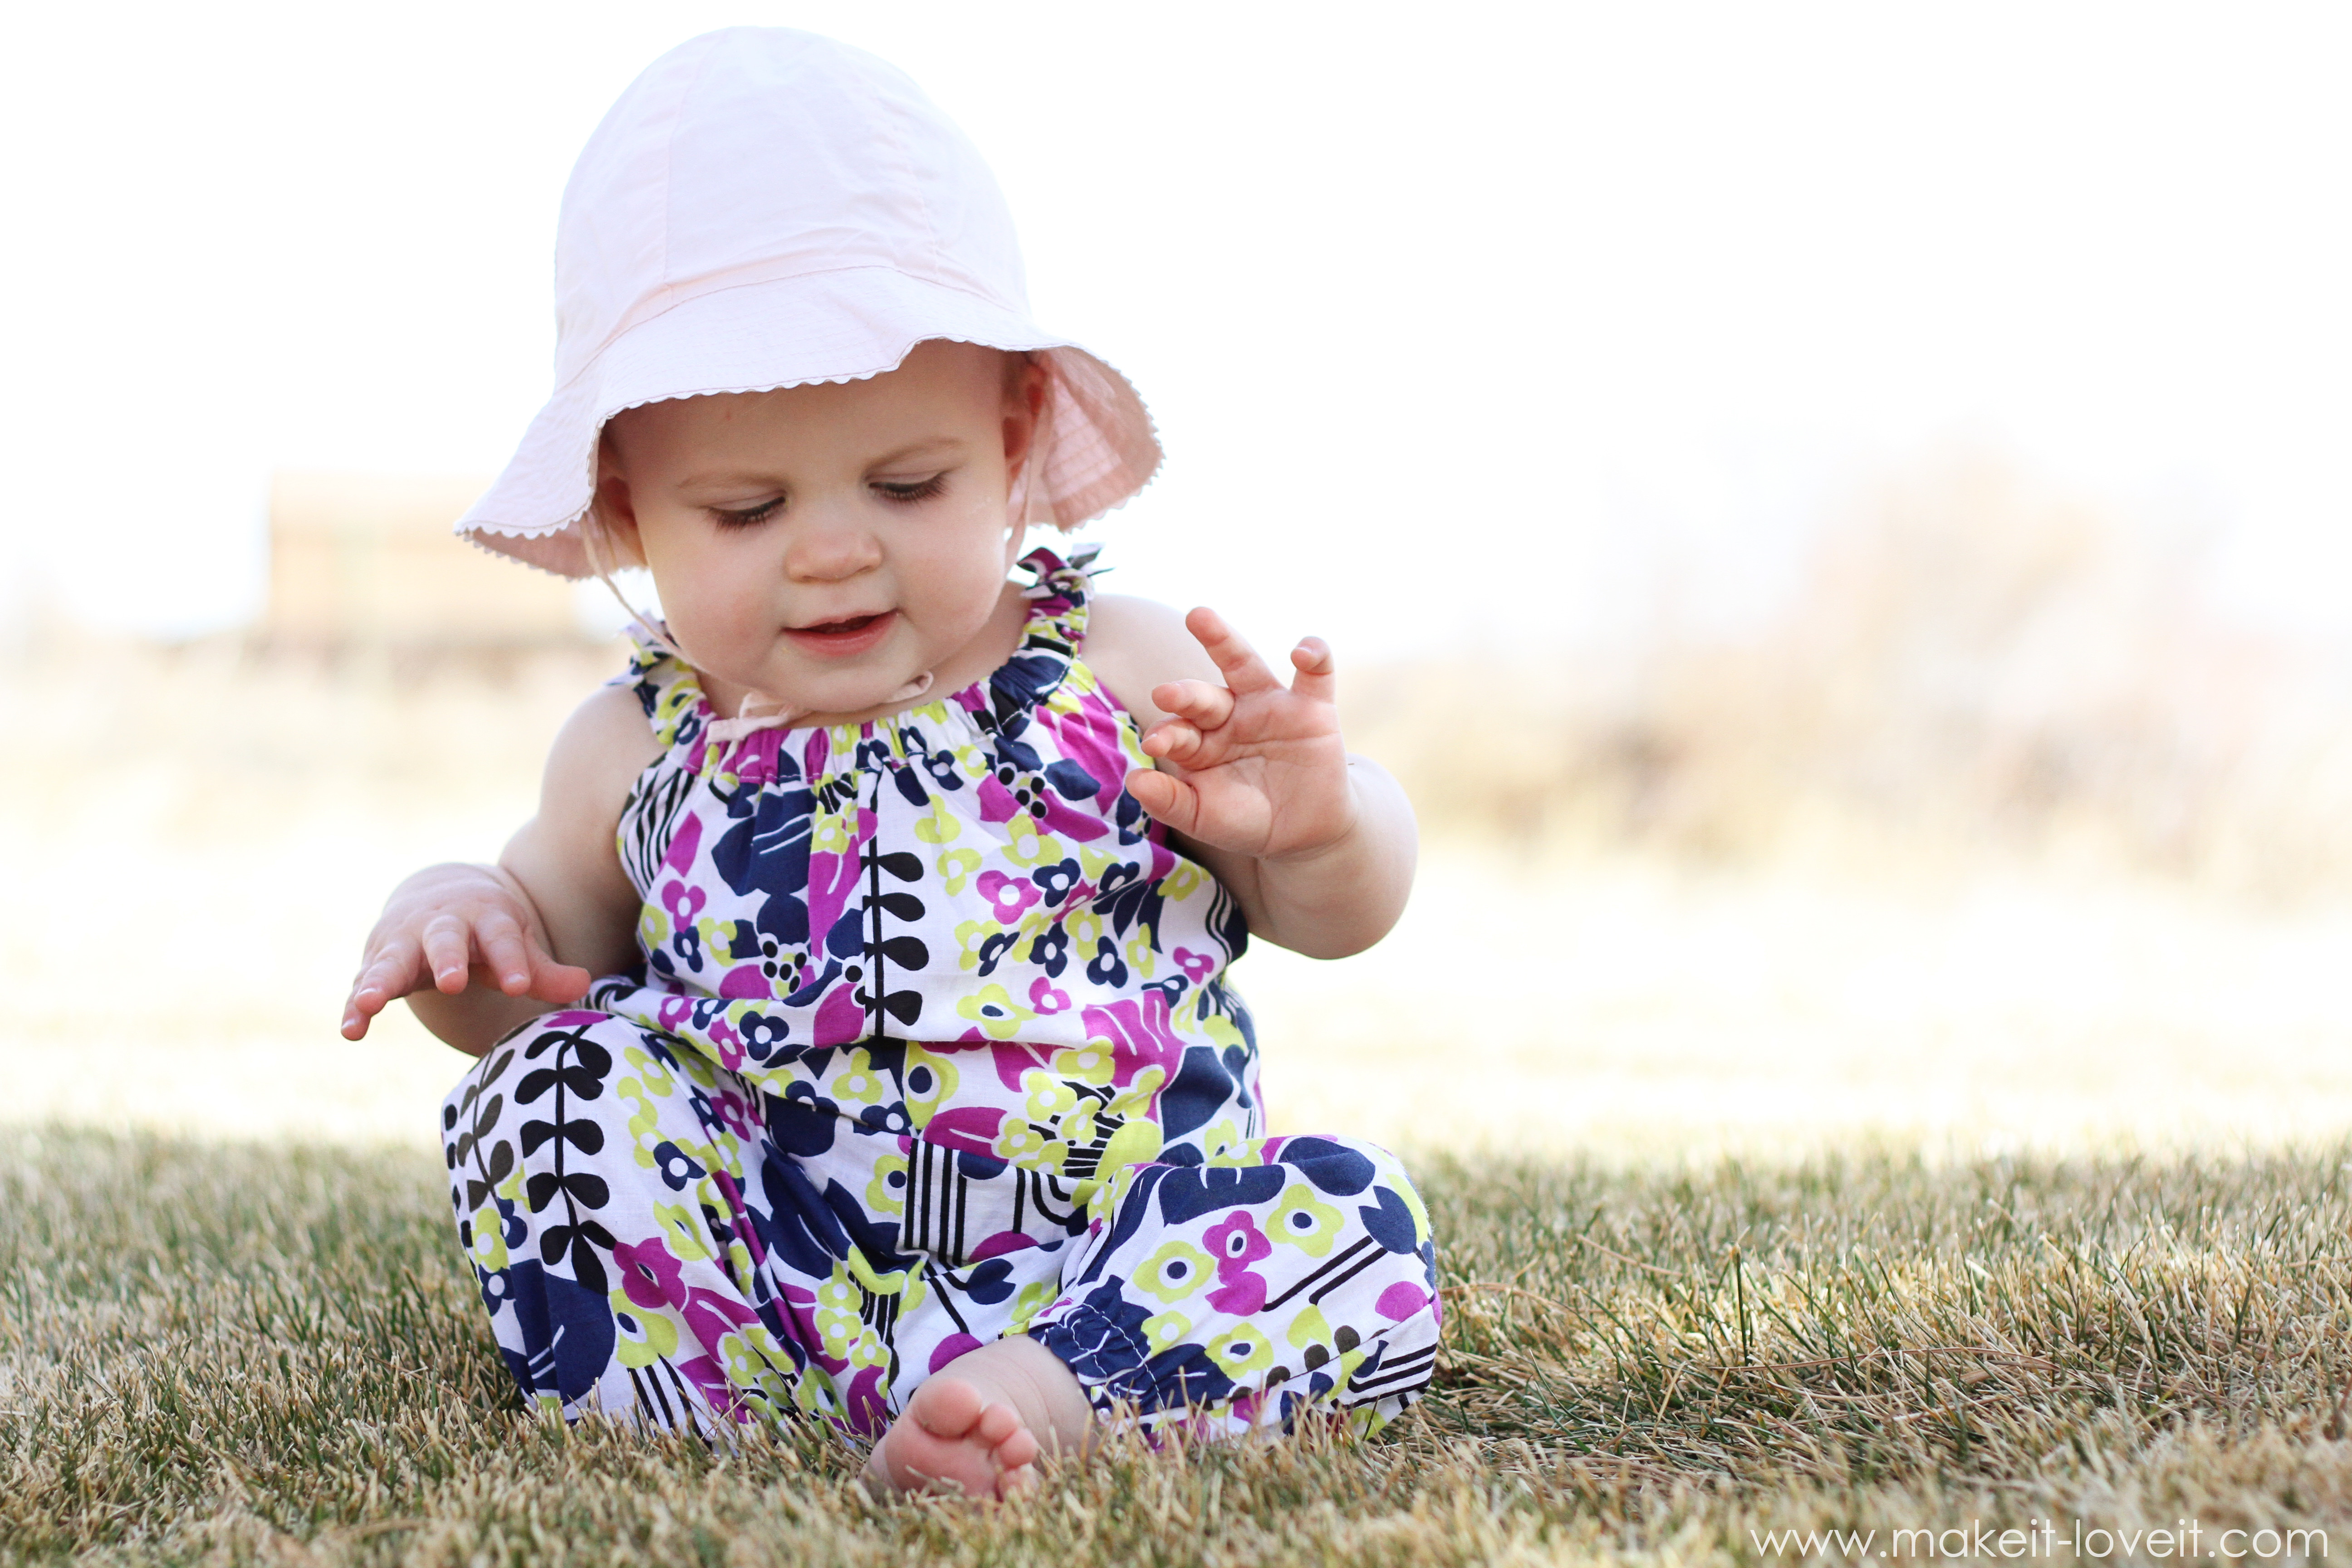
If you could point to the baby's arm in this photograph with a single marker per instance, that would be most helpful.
(1317, 846)
(477, 950)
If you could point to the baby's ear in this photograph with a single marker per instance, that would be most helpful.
(614, 542)
(1025, 387)
(611, 524)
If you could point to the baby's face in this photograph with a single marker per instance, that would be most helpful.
(826, 544)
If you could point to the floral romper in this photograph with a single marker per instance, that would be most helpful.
(932, 1044)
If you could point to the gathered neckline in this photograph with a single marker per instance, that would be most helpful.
(680, 711)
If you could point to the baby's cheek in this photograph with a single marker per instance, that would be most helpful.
(952, 593)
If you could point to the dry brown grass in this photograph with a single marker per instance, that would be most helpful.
(226, 1353)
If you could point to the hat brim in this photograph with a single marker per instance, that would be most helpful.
(841, 325)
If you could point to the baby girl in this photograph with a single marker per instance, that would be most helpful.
(856, 1041)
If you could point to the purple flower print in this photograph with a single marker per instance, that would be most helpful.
(1195, 965)
(685, 907)
(726, 1042)
(649, 1274)
(684, 903)
(737, 1114)
(1046, 998)
(1235, 1241)
(1008, 899)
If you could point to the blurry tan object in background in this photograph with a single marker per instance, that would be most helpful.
(1978, 668)
(368, 561)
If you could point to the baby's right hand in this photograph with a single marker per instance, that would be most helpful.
(449, 927)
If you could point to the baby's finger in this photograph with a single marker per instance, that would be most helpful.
(358, 1008)
(1206, 705)
(448, 952)
(1317, 676)
(558, 983)
(1244, 671)
(1166, 798)
(392, 972)
(1173, 741)
(504, 951)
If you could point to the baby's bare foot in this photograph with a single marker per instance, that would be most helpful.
(952, 1438)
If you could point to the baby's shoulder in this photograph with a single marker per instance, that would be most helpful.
(602, 749)
(1133, 645)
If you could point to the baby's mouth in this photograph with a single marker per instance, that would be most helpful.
(851, 635)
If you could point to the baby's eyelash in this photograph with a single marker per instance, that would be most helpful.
(923, 489)
(748, 518)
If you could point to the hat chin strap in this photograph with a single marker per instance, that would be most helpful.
(759, 711)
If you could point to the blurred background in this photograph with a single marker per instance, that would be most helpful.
(1838, 515)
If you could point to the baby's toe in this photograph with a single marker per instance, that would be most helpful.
(947, 1407)
(997, 1423)
(1015, 1450)
(1013, 1482)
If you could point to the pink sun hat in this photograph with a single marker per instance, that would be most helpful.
(766, 208)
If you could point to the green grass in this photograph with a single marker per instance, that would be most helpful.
(230, 1353)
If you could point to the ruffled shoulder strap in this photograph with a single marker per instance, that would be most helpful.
(1058, 596)
(1050, 643)
(665, 688)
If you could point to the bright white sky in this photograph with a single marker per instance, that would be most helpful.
(1457, 320)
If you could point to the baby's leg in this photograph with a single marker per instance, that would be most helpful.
(601, 1175)
(975, 1425)
(1295, 1276)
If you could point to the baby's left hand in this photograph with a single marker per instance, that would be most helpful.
(1254, 767)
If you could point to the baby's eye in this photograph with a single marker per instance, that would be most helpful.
(907, 490)
(746, 517)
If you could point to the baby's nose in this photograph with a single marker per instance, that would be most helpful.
(823, 551)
